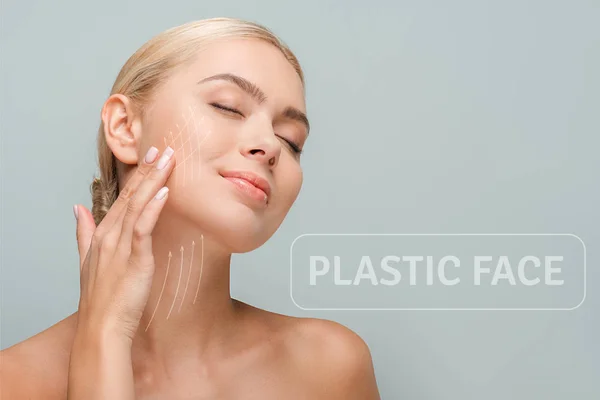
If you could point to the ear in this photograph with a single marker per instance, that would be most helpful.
(122, 128)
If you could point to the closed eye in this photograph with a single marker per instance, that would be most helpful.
(293, 146)
(228, 109)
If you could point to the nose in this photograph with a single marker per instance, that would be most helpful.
(265, 149)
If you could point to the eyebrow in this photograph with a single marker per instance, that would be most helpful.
(259, 96)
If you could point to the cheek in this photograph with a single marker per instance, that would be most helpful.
(191, 133)
(196, 144)
(177, 121)
(186, 133)
(290, 179)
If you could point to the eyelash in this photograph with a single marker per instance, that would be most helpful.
(295, 148)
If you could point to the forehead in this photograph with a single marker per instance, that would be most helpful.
(255, 60)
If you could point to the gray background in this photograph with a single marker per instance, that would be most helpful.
(433, 117)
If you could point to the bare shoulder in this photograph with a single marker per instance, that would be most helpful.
(323, 358)
(18, 378)
(332, 356)
(37, 367)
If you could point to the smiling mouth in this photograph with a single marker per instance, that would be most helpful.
(250, 185)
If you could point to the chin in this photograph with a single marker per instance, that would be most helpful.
(238, 227)
(219, 210)
(235, 225)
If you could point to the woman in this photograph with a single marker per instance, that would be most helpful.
(199, 154)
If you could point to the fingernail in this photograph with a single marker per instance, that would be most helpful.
(76, 212)
(165, 158)
(151, 155)
(161, 193)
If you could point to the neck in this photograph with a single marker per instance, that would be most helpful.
(189, 311)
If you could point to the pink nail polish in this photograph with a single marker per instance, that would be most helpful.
(161, 193)
(165, 158)
(151, 155)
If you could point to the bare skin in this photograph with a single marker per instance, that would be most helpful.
(278, 357)
(155, 318)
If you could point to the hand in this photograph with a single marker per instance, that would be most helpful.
(116, 259)
(116, 270)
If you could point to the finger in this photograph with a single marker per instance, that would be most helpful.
(140, 270)
(128, 190)
(146, 192)
(85, 231)
(106, 236)
(141, 245)
(86, 228)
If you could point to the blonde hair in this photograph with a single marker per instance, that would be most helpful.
(150, 66)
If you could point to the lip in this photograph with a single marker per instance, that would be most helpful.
(250, 183)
